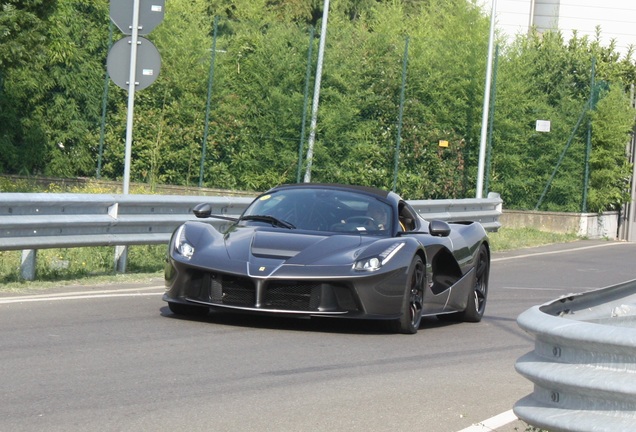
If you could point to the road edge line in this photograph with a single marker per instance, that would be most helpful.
(492, 423)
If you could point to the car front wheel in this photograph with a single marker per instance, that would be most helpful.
(412, 303)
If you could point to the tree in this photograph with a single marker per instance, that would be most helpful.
(55, 97)
(22, 40)
(542, 77)
(612, 123)
(50, 110)
(23, 26)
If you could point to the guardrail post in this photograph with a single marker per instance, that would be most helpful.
(495, 196)
(27, 264)
(121, 256)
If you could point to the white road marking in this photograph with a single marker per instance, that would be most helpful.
(124, 292)
(492, 423)
(513, 288)
(557, 252)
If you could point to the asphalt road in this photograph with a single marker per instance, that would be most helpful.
(113, 358)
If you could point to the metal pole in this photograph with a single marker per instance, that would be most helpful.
(399, 126)
(207, 104)
(314, 107)
(131, 93)
(305, 99)
(491, 122)
(531, 19)
(484, 117)
(121, 252)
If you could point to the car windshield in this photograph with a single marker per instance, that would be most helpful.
(319, 209)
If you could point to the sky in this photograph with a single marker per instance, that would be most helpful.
(617, 18)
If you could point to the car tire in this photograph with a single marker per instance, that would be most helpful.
(188, 310)
(476, 302)
(477, 299)
(412, 304)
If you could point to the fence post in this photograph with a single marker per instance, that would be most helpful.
(401, 111)
(305, 99)
(207, 104)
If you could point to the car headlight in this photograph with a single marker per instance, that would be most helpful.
(181, 245)
(376, 262)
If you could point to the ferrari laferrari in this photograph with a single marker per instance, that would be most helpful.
(328, 250)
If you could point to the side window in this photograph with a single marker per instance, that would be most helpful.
(408, 219)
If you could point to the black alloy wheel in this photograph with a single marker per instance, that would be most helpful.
(412, 306)
(477, 299)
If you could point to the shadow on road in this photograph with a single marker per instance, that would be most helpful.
(315, 324)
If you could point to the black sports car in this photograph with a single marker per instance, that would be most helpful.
(331, 250)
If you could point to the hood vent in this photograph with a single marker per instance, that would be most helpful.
(281, 245)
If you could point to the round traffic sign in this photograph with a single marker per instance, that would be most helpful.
(148, 63)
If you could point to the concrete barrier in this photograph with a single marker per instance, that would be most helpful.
(589, 225)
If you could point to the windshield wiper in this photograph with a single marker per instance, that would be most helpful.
(271, 219)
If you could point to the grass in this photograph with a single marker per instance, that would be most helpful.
(518, 238)
(85, 266)
(95, 265)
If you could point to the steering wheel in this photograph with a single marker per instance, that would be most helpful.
(365, 221)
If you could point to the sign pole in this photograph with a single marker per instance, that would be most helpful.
(131, 94)
(146, 15)
(121, 252)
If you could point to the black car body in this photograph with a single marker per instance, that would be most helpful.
(330, 250)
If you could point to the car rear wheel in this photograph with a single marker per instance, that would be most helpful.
(476, 302)
(411, 317)
(477, 299)
(189, 310)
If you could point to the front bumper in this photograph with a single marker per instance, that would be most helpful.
(366, 296)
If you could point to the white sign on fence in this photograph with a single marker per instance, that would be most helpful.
(543, 126)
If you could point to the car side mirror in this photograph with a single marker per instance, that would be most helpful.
(202, 210)
(439, 228)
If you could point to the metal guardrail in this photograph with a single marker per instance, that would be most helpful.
(487, 211)
(41, 220)
(584, 362)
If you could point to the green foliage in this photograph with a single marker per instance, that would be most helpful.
(22, 30)
(612, 122)
(50, 108)
(53, 101)
(257, 98)
(543, 78)
(22, 41)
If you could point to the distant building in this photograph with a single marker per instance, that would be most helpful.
(616, 18)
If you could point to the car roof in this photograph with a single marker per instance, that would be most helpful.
(380, 193)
